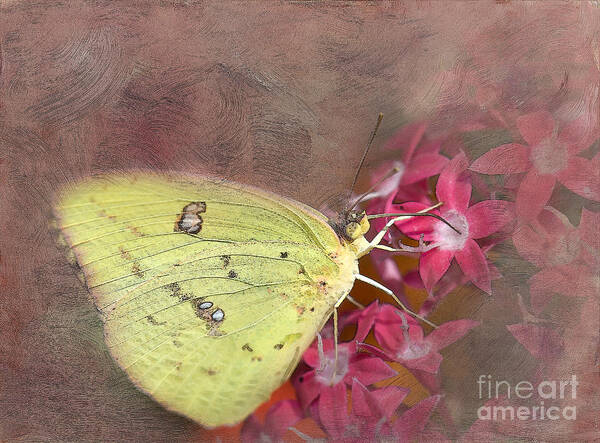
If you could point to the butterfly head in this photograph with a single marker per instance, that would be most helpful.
(351, 225)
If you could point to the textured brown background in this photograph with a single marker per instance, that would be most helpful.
(281, 95)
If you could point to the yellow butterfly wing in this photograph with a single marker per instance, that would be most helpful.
(209, 291)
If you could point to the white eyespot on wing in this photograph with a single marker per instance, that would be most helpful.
(205, 305)
(218, 315)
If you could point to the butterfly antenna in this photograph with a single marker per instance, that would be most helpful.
(364, 156)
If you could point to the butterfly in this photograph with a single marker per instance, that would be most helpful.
(210, 291)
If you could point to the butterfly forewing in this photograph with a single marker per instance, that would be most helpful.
(209, 291)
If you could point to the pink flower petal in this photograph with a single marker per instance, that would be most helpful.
(363, 317)
(418, 191)
(430, 380)
(362, 403)
(377, 404)
(582, 176)
(311, 357)
(533, 194)
(545, 283)
(511, 158)
(568, 280)
(578, 135)
(541, 342)
(407, 139)
(453, 278)
(251, 430)
(333, 410)
(307, 388)
(430, 146)
(281, 417)
(589, 228)
(536, 126)
(433, 265)
(388, 328)
(423, 166)
(390, 398)
(488, 216)
(429, 363)
(454, 185)
(413, 279)
(449, 332)
(414, 226)
(368, 370)
(553, 224)
(550, 240)
(474, 265)
(413, 421)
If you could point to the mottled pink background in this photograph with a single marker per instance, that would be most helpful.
(281, 95)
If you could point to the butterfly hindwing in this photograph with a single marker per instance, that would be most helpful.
(209, 291)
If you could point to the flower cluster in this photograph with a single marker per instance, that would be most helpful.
(353, 395)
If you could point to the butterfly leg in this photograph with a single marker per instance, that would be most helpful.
(391, 293)
(335, 334)
(354, 302)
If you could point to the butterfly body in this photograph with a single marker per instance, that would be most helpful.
(209, 291)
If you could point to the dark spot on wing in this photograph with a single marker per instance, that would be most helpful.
(135, 231)
(124, 254)
(283, 254)
(211, 372)
(278, 346)
(195, 207)
(190, 221)
(257, 358)
(137, 271)
(226, 259)
(153, 321)
(232, 274)
(177, 344)
(312, 309)
(176, 292)
(247, 347)
(174, 288)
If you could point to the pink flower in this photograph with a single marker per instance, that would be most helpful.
(542, 342)
(324, 377)
(371, 417)
(280, 417)
(474, 222)
(568, 257)
(550, 155)
(403, 340)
